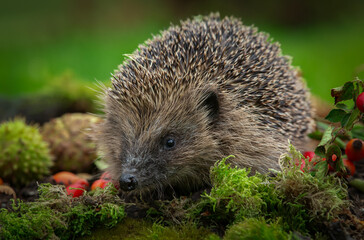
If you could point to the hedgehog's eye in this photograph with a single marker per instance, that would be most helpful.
(169, 143)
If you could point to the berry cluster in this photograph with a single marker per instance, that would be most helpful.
(354, 151)
(333, 154)
(76, 186)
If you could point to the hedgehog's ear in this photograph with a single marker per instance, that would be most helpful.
(210, 102)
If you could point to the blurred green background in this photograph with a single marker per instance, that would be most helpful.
(41, 40)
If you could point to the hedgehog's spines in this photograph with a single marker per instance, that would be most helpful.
(159, 87)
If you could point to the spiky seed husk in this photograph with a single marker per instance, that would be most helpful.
(24, 155)
(70, 143)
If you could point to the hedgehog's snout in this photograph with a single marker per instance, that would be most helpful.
(128, 182)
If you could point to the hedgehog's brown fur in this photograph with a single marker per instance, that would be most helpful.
(218, 88)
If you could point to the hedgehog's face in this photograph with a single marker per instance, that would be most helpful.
(166, 144)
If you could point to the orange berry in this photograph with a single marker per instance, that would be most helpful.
(67, 178)
(101, 183)
(349, 166)
(355, 149)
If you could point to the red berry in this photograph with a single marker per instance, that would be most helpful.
(309, 155)
(83, 182)
(333, 157)
(303, 164)
(360, 102)
(75, 190)
(355, 149)
(350, 166)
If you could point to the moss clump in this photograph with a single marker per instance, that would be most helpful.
(321, 199)
(24, 155)
(235, 195)
(184, 231)
(297, 200)
(139, 229)
(56, 215)
(252, 228)
(27, 222)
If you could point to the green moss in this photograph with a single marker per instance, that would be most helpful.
(235, 195)
(142, 229)
(185, 231)
(56, 215)
(321, 198)
(24, 156)
(29, 222)
(297, 200)
(256, 229)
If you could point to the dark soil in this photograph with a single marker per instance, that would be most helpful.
(351, 223)
(28, 193)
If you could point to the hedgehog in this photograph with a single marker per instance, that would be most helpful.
(195, 93)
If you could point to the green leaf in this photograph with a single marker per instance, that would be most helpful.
(348, 91)
(342, 106)
(331, 150)
(320, 150)
(343, 93)
(327, 136)
(336, 115)
(321, 169)
(353, 117)
(340, 166)
(345, 119)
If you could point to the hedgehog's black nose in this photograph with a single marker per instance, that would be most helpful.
(128, 182)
